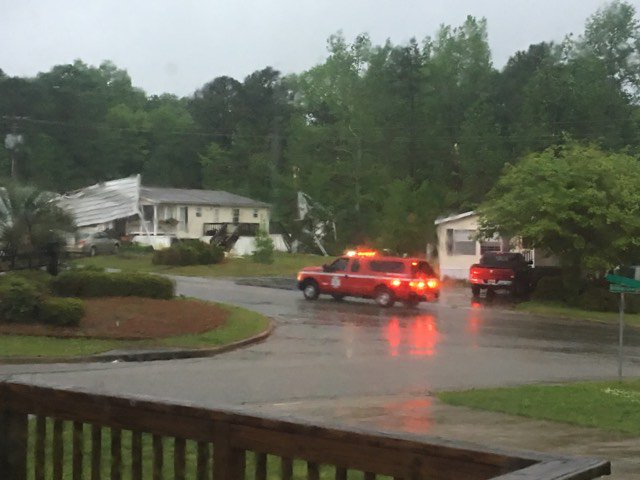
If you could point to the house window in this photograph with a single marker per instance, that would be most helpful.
(198, 211)
(255, 213)
(168, 212)
(236, 215)
(184, 218)
(463, 242)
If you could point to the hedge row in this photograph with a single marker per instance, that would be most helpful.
(22, 301)
(189, 253)
(590, 296)
(79, 283)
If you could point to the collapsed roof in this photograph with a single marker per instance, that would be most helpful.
(103, 202)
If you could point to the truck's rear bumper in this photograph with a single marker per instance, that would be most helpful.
(491, 283)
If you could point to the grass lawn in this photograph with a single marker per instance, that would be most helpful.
(285, 264)
(560, 310)
(240, 324)
(605, 405)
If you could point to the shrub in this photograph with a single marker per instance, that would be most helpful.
(549, 289)
(264, 248)
(19, 300)
(189, 253)
(79, 283)
(40, 279)
(61, 312)
(600, 299)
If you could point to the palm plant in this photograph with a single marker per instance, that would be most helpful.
(30, 219)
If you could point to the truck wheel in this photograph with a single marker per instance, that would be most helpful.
(310, 290)
(475, 291)
(384, 297)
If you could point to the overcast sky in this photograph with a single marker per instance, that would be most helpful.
(175, 46)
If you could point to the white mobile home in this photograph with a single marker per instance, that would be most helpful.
(458, 247)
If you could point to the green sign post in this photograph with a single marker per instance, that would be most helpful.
(622, 285)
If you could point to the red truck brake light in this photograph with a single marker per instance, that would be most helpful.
(432, 283)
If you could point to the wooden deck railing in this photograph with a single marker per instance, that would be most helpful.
(48, 433)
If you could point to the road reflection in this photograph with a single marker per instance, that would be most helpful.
(412, 416)
(417, 336)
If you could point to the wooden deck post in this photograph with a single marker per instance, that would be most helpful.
(13, 445)
(228, 462)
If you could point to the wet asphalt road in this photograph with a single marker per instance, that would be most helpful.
(327, 350)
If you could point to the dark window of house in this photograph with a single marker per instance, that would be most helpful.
(236, 215)
(184, 218)
(147, 212)
(449, 240)
(386, 266)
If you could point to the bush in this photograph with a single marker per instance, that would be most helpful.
(40, 279)
(79, 283)
(550, 289)
(189, 253)
(264, 248)
(600, 299)
(19, 300)
(63, 312)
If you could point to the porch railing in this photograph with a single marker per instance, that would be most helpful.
(52, 433)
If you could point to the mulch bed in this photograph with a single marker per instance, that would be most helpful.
(132, 318)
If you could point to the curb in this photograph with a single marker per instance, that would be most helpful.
(146, 355)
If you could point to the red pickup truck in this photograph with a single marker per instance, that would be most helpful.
(501, 271)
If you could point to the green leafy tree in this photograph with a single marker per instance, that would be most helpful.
(264, 248)
(612, 35)
(574, 201)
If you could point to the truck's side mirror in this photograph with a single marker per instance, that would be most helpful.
(325, 267)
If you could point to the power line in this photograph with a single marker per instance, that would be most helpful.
(377, 130)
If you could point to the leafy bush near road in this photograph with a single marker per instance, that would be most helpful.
(593, 296)
(189, 253)
(64, 312)
(549, 289)
(24, 299)
(38, 278)
(19, 300)
(264, 248)
(79, 283)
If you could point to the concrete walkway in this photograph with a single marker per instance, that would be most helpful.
(426, 415)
